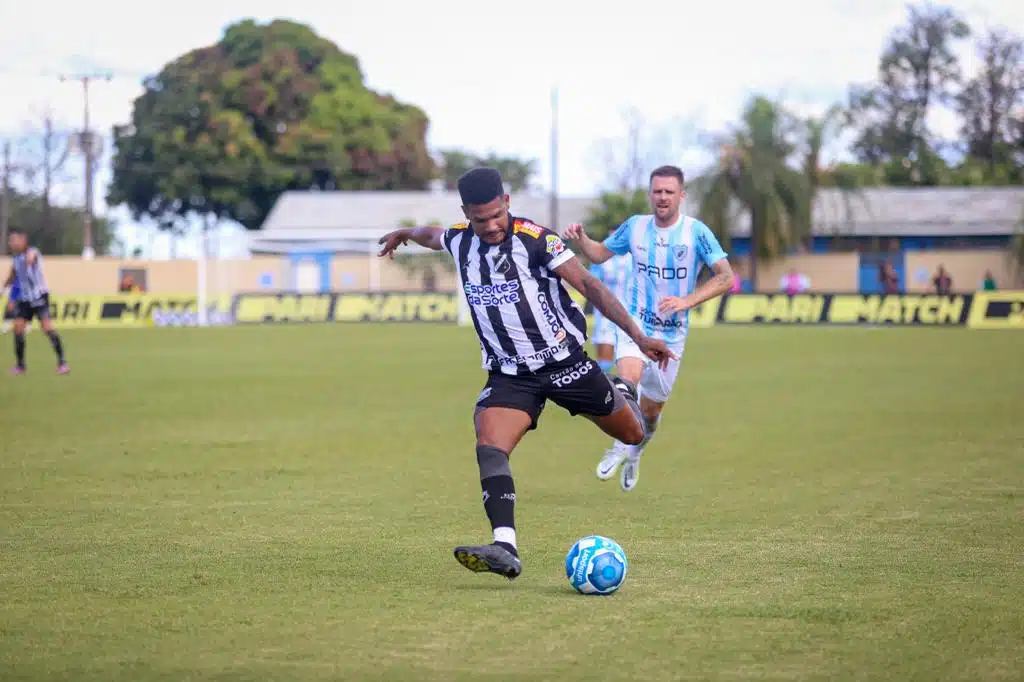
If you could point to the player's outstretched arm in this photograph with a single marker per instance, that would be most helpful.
(595, 251)
(604, 300)
(10, 278)
(428, 237)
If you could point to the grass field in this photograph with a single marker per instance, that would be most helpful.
(280, 503)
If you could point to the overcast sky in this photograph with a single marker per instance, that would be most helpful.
(483, 72)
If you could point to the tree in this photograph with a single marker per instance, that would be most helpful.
(917, 71)
(49, 152)
(225, 129)
(753, 171)
(613, 208)
(987, 106)
(516, 173)
(63, 234)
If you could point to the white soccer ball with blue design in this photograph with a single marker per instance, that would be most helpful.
(596, 565)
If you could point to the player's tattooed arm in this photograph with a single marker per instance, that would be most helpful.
(718, 284)
(428, 237)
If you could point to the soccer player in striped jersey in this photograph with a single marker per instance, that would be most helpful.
(669, 249)
(613, 273)
(33, 300)
(513, 274)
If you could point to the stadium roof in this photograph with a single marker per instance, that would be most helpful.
(353, 221)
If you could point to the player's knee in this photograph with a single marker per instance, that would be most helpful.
(492, 461)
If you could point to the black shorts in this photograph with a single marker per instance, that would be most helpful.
(577, 385)
(38, 308)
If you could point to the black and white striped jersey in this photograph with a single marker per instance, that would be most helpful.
(520, 308)
(31, 283)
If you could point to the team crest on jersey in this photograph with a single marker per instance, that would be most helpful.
(555, 245)
(681, 251)
(526, 227)
(501, 263)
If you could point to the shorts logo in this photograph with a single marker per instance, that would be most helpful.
(484, 394)
(555, 245)
(575, 373)
(502, 264)
(534, 231)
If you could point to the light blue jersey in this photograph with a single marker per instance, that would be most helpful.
(614, 273)
(667, 262)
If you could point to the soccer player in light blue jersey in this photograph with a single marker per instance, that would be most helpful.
(613, 273)
(669, 250)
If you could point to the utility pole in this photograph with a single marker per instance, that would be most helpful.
(89, 146)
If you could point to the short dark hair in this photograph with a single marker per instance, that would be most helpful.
(480, 186)
(668, 172)
(17, 230)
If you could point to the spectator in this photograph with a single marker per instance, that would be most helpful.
(794, 283)
(989, 283)
(942, 281)
(889, 279)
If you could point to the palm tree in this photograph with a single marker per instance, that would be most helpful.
(818, 131)
(753, 171)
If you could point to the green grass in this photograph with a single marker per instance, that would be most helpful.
(280, 503)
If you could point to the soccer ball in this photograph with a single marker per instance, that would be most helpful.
(596, 565)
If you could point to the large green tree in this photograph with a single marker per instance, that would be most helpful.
(991, 109)
(755, 171)
(917, 72)
(225, 129)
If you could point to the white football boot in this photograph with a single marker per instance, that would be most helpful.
(630, 470)
(613, 457)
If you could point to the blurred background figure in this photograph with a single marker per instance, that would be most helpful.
(942, 281)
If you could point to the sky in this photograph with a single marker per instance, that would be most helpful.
(483, 72)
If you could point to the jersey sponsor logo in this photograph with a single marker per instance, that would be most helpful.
(652, 318)
(492, 295)
(524, 227)
(459, 226)
(539, 356)
(554, 244)
(655, 272)
(549, 317)
(705, 244)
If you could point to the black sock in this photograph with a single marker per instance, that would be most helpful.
(58, 347)
(19, 350)
(500, 504)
